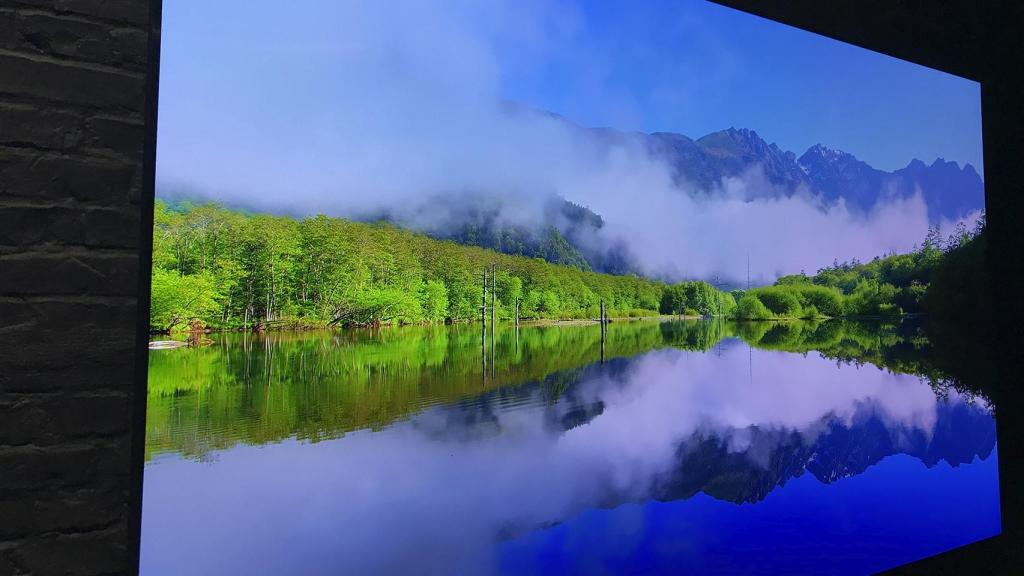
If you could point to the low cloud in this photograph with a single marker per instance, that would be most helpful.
(409, 498)
(402, 112)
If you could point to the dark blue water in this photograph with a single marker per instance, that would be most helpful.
(731, 461)
(899, 510)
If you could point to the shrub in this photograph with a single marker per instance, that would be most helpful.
(889, 311)
(793, 279)
(869, 298)
(780, 300)
(684, 296)
(750, 307)
(912, 297)
(727, 303)
(826, 301)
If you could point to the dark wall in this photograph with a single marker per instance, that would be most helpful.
(73, 95)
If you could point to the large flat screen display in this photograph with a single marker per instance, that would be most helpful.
(558, 287)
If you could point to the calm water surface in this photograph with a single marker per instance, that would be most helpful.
(694, 447)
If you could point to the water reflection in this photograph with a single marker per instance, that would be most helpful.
(323, 385)
(440, 472)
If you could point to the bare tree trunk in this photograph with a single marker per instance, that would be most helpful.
(270, 295)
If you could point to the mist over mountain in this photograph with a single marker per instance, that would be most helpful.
(392, 111)
(721, 440)
(561, 233)
(949, 191)
(708, 463)
(836, 174)
(730, 178)
(567, 233)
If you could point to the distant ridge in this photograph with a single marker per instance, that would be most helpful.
(949, 191)
(566, 232)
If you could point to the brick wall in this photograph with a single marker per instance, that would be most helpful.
(73, 93)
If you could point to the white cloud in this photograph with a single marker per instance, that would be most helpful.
(395, 106)
(427, 496)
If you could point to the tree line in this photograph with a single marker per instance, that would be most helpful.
(228, 268)
(921, 281)
(225, 268)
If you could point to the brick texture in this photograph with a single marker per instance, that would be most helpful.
(73, 89)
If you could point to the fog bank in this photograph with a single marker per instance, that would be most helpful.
(397, 108)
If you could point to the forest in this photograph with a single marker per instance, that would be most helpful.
(925, 280)
(221, 268)
(228, 268)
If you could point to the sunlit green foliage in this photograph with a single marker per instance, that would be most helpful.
(176, 299)
(750, 307)
(825, 301)
(886, 287)
(781, 301)
(260, 388)
(264, 268)
(697, 299)
(227, 268)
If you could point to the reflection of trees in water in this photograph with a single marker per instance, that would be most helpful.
(265, 388)
(743, 465)
(905, 348)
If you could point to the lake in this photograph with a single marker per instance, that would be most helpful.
(660, 447)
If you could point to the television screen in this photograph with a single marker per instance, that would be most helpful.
(559, 288)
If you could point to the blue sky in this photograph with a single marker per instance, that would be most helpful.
(695, 67)
(688, 66)
(347, 108)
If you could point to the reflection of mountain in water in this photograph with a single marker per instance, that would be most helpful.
(736, 465)
(706, 463)
(319, 386)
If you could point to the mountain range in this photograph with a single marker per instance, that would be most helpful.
(949, 190)
(561, 233)
(699, 166)
(566, 231)
(709, 461)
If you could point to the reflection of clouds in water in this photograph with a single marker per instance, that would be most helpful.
(393, 107)
(406, 500)
(675, 395)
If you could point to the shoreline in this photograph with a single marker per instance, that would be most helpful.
(300, 327)
(163, 340)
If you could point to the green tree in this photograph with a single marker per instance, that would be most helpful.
(177, 299)
(750, 307)
(780, 300)
(550, 305)
(434, 301)
(673, 299)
